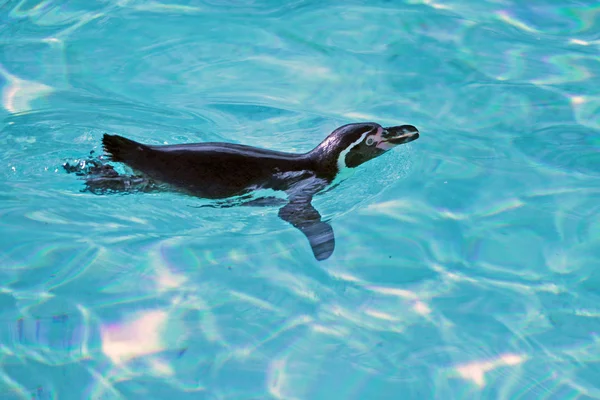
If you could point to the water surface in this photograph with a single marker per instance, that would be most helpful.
(466, 264)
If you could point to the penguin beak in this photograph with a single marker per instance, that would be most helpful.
(400, 134)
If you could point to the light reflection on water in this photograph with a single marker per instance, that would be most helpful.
(466, 262)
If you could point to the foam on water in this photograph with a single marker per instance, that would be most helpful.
(465, 263)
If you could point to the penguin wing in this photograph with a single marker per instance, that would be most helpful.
(303, 216)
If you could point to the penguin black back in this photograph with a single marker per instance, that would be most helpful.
(207, 170)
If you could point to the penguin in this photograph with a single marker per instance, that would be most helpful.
(219, 171)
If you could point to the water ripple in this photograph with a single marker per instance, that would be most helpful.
(466, 262)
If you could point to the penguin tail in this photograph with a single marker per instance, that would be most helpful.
(120, 149)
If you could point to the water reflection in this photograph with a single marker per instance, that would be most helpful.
(466, 269)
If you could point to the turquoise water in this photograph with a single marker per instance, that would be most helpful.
(467, 262)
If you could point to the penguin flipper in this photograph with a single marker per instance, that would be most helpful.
(303, 216)
(121, 184)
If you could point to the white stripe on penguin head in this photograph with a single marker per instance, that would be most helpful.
(341, 162)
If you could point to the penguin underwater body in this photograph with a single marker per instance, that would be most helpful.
(226, 170)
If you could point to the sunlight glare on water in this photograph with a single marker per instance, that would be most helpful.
(466, 262)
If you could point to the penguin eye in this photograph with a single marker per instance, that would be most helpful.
(370, 141)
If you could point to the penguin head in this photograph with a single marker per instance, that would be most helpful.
(358, 143)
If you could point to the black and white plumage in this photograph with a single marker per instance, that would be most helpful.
(225, 170)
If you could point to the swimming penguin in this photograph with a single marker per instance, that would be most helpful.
(226, 170)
